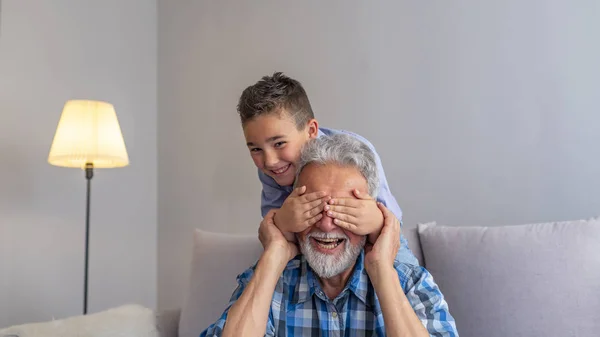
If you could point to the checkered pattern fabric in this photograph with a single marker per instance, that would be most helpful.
(300, 307)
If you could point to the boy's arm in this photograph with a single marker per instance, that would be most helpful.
(386, 197)
(272, 195)
(384, 194)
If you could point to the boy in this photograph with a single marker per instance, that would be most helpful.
(278, 120)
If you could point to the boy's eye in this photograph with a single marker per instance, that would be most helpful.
(279, 144)
(255, 149)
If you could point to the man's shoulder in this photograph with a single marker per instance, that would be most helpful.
(409, 274)
(246, 275)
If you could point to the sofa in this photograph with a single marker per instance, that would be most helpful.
(534, 280)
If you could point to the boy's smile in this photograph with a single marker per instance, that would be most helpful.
(275, 142)
(282, 170)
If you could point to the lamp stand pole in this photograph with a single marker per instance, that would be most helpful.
(89, 173)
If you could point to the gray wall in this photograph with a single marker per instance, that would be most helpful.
(52, 51)
(485, 113)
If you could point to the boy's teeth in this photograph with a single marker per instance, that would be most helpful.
(281, 170)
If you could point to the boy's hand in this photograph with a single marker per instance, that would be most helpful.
(300, 211)
(361, 216)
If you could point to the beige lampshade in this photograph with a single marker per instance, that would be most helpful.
(88, 132)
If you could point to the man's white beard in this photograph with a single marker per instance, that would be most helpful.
(327, 265)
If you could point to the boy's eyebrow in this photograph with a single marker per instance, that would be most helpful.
(274, 138)
(269, 140)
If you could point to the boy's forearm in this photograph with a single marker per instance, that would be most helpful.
(398, 314)
(249, 315)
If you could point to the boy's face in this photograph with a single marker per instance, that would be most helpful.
(275, 143)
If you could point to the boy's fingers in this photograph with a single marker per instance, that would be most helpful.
(313, 196)
(360, 195)
(349, 202)
(344, 225)
(316, 210)
(298, 191)
(336, 209)
(313, 220)
(315, 203)
(341, 216)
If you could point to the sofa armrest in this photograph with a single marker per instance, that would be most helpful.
(167, 322)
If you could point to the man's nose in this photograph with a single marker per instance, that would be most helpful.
(326, 224)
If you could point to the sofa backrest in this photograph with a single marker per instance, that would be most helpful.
(532, 280)
(218, 259)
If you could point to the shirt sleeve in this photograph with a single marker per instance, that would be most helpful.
(428, 303)
(384, 194)
(272, 195)
(216, 329)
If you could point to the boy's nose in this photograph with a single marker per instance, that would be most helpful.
(270, 159)
(326, 224)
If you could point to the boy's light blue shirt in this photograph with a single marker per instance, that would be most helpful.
(273, 195)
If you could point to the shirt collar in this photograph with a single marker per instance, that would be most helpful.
(358, 284)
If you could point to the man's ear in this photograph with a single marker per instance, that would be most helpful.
(312, 128)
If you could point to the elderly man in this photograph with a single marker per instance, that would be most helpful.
(342, 283)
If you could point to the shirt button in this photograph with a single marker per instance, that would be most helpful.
(334, 314)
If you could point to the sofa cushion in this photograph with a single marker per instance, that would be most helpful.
(527, 280)
(412, 236)
(217, 261)
(130, 320)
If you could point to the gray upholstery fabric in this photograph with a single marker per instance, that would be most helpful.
(533, 280)
(218, 259)
(167, 322)
(412, 236)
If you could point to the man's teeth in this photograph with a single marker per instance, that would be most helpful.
(328, 243)
(328, 240)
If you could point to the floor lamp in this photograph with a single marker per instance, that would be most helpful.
(88, 136)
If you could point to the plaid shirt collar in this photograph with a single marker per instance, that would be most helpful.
(358, 283)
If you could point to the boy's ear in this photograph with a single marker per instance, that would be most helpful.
(312, 128)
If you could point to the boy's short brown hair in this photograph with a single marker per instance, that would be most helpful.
(272, 94)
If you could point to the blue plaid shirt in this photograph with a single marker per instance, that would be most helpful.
(300, 307)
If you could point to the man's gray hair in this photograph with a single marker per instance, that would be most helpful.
(343, 150)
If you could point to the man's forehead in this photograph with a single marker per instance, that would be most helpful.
(331, 178)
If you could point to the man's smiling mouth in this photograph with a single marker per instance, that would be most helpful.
(328, 243)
